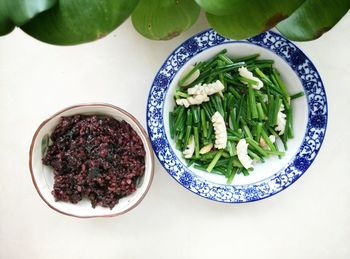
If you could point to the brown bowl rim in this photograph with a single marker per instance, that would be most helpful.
(137, 123)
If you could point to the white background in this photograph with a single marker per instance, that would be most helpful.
(311, 219)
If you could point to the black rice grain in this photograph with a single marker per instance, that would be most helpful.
(96, 157)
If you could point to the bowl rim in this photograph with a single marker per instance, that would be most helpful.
(282, 179)
(118, 109)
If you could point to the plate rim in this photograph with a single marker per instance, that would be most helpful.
(256, 40)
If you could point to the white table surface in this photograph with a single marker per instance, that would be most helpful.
(311, 219)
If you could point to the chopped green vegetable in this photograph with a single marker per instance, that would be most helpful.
(45, 142)
(189, 74)
(248, 113)
(297, 95)
(196, 142)
(214, 161)
(171, 124)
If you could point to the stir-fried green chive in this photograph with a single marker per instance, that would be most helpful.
(188, 127)
(231, 148)
(246, 58)
(179, 117)
(189, 74)
(204, 124)
(275, 75)
(196, 142)
(252, 103)
(215, 160)
(225, 59)
(249, 114)
(232, 175)
(259, 129)
(297, 95)
(171, 124)
(267, 140)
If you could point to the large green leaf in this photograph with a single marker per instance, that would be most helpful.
(18, 12)
(6, 26)
(219, 7)
(250, 18)
(165, 19)
(72, 22)
(313, 18)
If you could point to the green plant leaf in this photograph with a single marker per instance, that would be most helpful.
(165, 19)
(219, 7)
(252, 17)
(72, 22)
(6, 26)
(18, 12)
(313, 18)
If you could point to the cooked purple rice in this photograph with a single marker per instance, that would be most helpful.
(96, 157)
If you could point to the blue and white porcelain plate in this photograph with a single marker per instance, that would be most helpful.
(309, 112)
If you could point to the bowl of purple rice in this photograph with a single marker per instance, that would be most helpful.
(91, 160)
